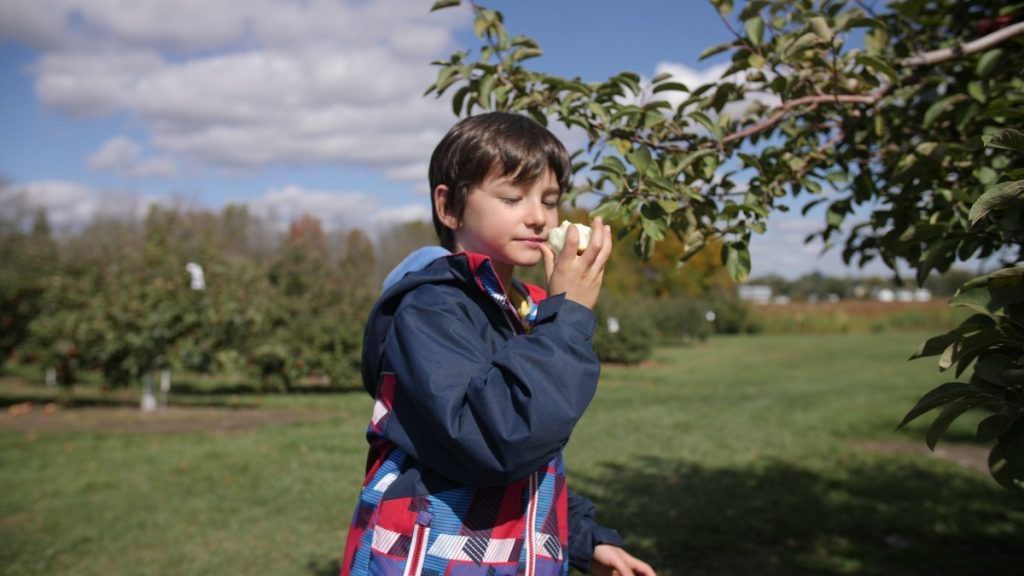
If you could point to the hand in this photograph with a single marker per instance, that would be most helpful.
(579, 275)
(611, 560)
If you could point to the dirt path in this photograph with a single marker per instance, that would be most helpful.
(973, 457)
(47, 418)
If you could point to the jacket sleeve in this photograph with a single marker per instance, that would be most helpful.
(585, 533)
(480, 409)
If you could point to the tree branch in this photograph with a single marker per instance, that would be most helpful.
(915, 60)
(868, 99)
(972, 47)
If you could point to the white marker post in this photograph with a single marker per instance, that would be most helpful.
(148, 403)
(165, 387)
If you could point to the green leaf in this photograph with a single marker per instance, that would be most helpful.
(940, 106)
(654, 228)
(703, 120)
(942, 394)
(999, 464)
(987, 62)
(525, 41)
(948, 415)
(977, 91)
(670, 86)
(992, 427)
(724, 6)
(999, 196)
(640, 157)
(688, 160)
(820, 27)
(936, 345)
(878, 65)
(800, 44)
(610, 210)
(599, 111)
(483, 96)
(521, 54)
(1007, 139)
(458, 99)
(716, 49)
(876, 41)
(480, 25)
(736, 256)
(444, 4)
(755, 30)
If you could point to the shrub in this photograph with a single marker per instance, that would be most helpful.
(678, 320)
(624, 334)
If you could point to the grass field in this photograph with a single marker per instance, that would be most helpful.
(856, 316)
(740, 456)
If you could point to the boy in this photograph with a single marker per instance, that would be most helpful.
(479, 379)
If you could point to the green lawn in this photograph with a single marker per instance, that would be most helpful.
(759, 455)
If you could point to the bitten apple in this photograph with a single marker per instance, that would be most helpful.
(556, 238)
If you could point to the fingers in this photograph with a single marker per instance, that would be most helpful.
(606, 246)
(621, 567)
(641, 568)
(549, 260)
(572, 241)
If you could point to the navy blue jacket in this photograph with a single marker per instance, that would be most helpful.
(477, 401)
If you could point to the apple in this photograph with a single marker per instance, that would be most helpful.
(556, 238)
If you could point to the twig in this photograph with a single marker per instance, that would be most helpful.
(869, 99)
(966, 49)
(913, 61)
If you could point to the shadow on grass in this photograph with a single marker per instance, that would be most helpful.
(68, 402)
(889, 517)
(331, 567)
(250, 389)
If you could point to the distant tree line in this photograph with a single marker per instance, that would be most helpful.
(116, 296)
(818, 284)
(275, 307)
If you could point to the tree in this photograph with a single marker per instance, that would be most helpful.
(29, 255)
(906, 112)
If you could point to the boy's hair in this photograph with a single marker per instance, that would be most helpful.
(501, 143)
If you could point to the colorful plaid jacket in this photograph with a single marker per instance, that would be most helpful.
(472, 410)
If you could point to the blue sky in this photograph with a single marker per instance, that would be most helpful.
(293, 107)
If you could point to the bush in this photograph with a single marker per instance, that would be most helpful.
(624, 334)
(678, 320)
(732, 316)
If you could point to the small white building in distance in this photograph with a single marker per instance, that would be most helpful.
(903, 295)
(755, 293)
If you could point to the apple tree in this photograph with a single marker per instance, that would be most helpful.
(900, 121)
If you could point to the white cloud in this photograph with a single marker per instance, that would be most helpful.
(70, 206)
(248, 84)
(408, 213)
(122, 155)
(336, 210)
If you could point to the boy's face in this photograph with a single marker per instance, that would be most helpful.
(509, 223)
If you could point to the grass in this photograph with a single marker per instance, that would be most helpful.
(856, 316)
(747, 455)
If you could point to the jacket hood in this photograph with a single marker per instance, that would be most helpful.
(430, 265)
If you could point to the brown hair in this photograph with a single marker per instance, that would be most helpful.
(500, 142)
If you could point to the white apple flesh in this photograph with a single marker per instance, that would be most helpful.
(556, 238)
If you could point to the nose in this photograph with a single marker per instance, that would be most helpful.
(535, 214)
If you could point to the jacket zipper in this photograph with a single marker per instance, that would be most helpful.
(419, 544)
(531, 529)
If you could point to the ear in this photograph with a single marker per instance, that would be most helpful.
(441, 207)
